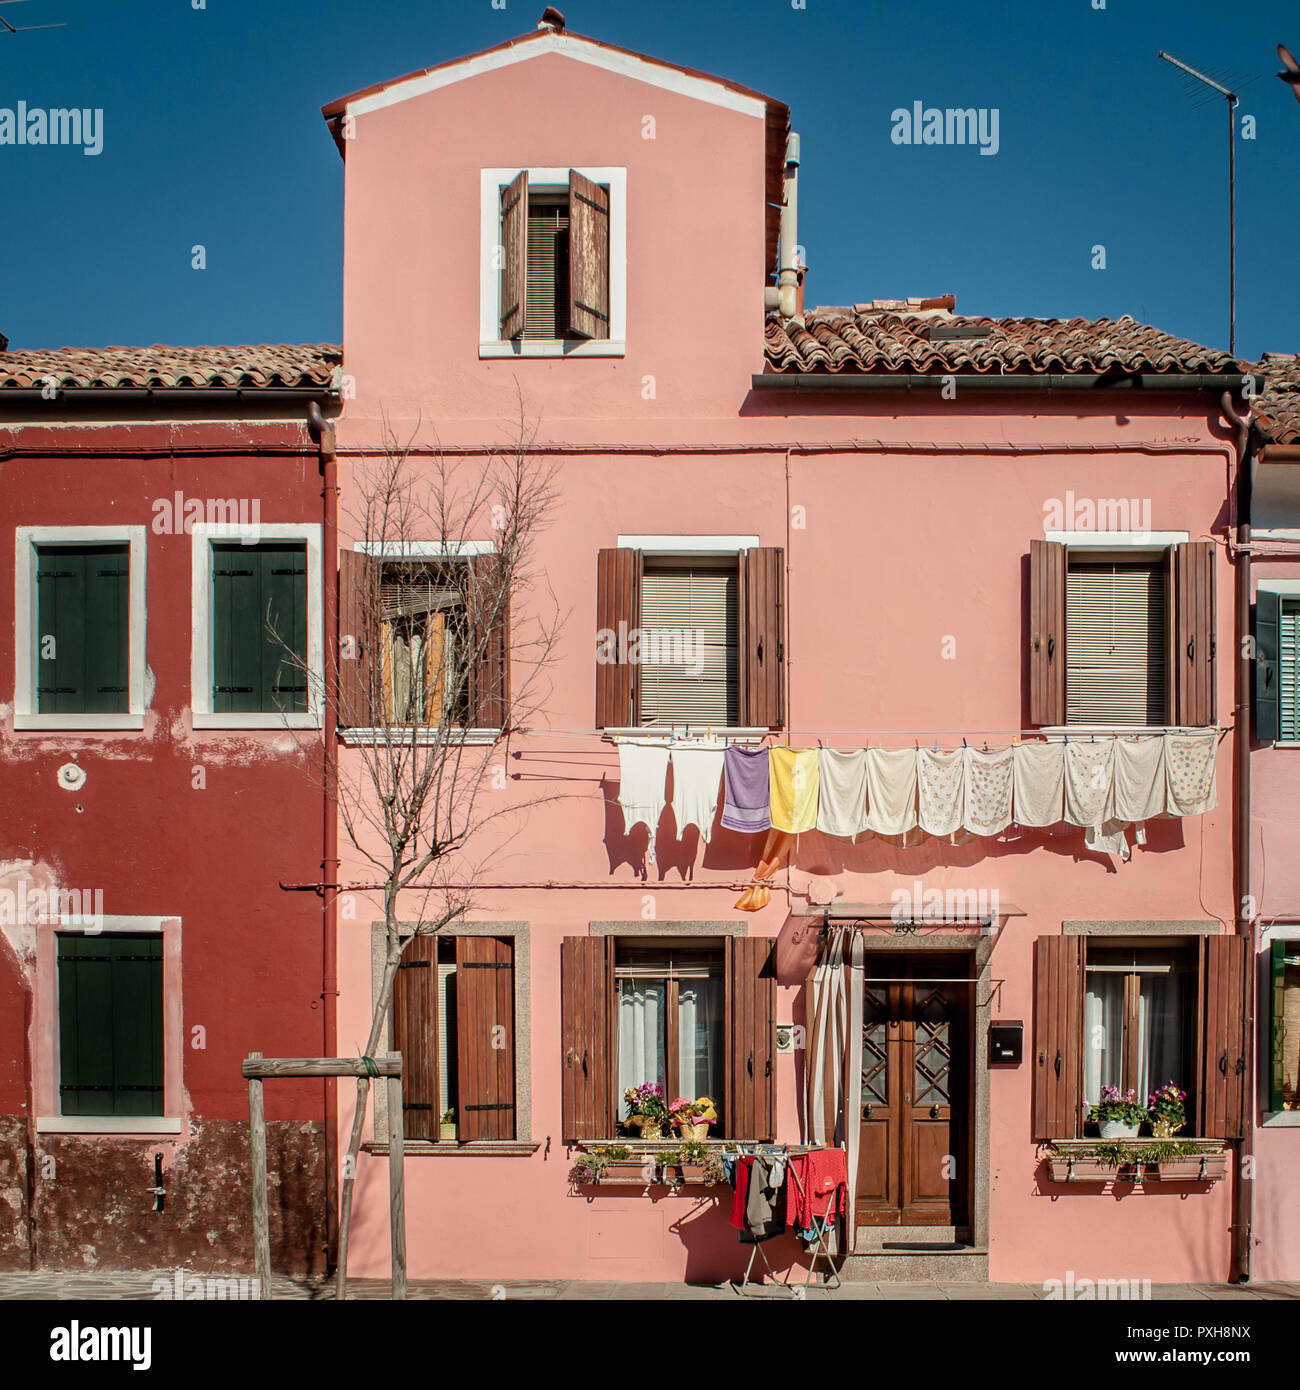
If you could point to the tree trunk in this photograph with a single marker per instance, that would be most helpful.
(377, 1024)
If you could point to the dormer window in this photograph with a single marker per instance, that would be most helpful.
(554, 272)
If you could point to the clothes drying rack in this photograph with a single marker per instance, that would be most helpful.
(818, 1250)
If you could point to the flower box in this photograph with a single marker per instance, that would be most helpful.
(1068, 1163)
(630, 1172)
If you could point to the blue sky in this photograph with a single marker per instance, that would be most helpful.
(212, 135)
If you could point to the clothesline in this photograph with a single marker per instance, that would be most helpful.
(697, 731)
(1101, 784)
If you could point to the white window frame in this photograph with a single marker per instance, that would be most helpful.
(53, 1121)
(1277, 1119)
(1283, 588)
(541, 180)
(27, 715)
(201, 630)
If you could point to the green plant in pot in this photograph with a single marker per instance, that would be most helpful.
(447, 1125)
(587, 1167)
(1118, 1115)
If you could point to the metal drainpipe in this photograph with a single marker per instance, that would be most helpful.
(329, 993)
(1243, 1192)
(784, 295)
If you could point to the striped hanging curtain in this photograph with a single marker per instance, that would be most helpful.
(834, 1076)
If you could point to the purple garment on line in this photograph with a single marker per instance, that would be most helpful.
(747, 801)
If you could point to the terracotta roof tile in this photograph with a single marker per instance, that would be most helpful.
(900, 337)
(167, 368)
(1277, 410)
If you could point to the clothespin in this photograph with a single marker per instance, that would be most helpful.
(986, 745)
(820, 744)
(709, 731)
(1015, 740)
(1067, 740)
(917, 741)
(936, 745)
(963, 743)
(1094, 738)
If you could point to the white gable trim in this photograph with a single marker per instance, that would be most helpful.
(569, 46)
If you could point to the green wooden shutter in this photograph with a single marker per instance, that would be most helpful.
(83, 626)
(284, 601)
(110, 1025)
(256, 589)
(1267, 614)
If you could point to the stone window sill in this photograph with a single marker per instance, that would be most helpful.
(142, 1126)
(451, 1148)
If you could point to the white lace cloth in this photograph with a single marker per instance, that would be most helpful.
(1190, 773)
(940, 790)
(989, 778)
(1039, 783)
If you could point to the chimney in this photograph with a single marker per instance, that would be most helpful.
(551, 19)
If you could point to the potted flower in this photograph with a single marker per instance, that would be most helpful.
(692, 1118)
(588, 1167)
(646, 1109)
(1118, 1115)
(1167, 1111)
(447, 1125)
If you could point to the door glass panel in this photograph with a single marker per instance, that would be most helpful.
(932, 1061)
(875, 1047)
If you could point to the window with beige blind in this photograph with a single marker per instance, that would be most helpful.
(422, 630)
(690, 638)
(1122, 638)
(1116, 646)
(690, 635)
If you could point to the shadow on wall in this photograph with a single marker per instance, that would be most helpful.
(820, 854)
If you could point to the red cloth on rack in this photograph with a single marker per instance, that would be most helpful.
(744, 1166)
(822, 1190)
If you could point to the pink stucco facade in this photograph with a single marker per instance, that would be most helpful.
(906, 523)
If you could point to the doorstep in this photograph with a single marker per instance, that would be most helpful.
(916, 1262)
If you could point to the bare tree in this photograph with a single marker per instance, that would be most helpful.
(443, 651)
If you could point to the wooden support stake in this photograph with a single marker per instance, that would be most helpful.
(261, 1215)
(396, 1191)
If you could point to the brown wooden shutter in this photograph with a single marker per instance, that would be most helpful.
(1225, 981)
(588, 257)
(358, 622)
(586, 1002)
(1058, 1036)
(751, 1033)
(514, 247)
(485, 1038)
(762, 637)
(1046, 632)
(489, 604)
(415, 1036)
(1194, 624)
(618, 611)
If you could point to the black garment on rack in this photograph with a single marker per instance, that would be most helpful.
(765, 1199)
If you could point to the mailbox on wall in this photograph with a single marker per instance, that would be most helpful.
(1006, 1042)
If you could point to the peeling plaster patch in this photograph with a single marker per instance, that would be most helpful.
(5, 712)
(20, 876)
(150, 685)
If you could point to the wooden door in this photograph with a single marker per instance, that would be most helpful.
(916, 1085)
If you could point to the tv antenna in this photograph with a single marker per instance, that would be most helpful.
(7, 28)
(1232, 100)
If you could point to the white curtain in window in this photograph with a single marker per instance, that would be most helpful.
(699, 1038)
(1103, 1034)
(641, 1022)
(1160, 1035)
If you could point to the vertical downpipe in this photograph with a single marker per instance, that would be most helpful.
(1243, 1190)
(329, 993)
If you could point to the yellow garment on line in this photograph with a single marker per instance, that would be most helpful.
(794, 777)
